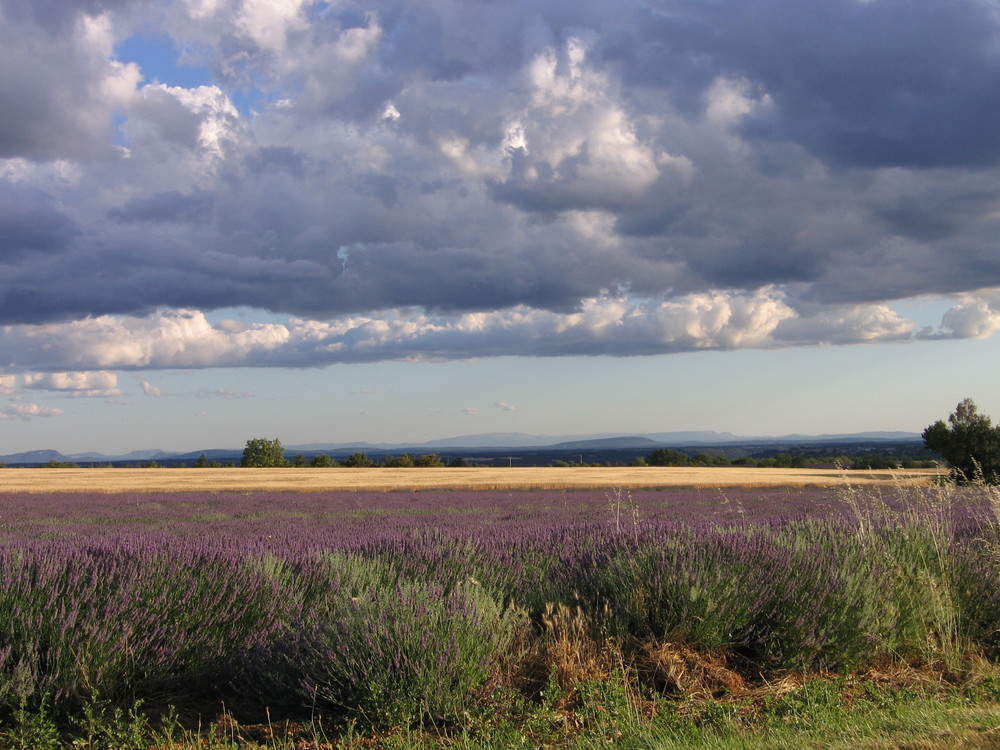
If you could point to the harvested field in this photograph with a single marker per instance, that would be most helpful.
(480, 478)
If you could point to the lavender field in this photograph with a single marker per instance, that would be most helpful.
(396, 608)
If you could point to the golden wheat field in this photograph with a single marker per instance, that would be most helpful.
(478, 478)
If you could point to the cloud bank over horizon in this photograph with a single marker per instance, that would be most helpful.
(449, 179)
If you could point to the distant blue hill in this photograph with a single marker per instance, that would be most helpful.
(483, 442)
(35, 457)
(605, 443)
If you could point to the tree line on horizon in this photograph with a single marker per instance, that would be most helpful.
(265, 452)
(969, 444)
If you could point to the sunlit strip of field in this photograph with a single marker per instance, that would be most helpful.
(479, 478)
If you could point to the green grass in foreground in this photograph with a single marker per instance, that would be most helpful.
(820, 712)
(898, 722)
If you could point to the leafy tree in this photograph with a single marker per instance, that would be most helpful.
(970, 443)
(322, 460)
(202, 462)
(876, 461)
(428, 459)
(399, 462)
(785, 460)
(667, 457)
(358, 461)
(709, 459)
(263, 452)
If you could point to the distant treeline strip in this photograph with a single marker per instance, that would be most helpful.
(854, 457)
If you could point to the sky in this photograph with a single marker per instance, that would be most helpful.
(403, 220)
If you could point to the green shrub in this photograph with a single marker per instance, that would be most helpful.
(394, 655)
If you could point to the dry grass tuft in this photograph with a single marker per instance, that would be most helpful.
(680, 670)
(574, 652)
(567, 652)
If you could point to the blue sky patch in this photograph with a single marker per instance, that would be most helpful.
(157, 57)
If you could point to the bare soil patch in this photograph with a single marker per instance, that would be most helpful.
(478, 478)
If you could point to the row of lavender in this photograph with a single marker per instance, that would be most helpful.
(390, 607)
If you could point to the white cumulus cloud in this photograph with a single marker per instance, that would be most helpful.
(85, 383)
(27, 412)
(606, 325)
(974, 317)
(149, 389)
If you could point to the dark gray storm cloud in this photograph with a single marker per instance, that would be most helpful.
(887, 82)
(457, 157)
(58, 88)
(31, 225)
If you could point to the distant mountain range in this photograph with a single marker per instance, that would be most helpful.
(485, 442)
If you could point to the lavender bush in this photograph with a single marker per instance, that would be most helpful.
(399, 654)
(398, 607)
(126, 622)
